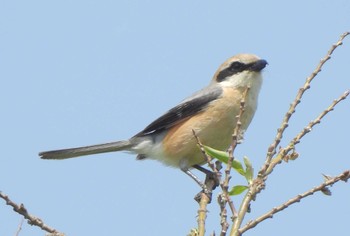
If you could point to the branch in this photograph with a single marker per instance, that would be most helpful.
(290, 147)
(329, 182)
(19, 227)
(259, 182)
(235, 140)
(202, 213)
(273, 147)
(207, 157)
(32, 220)
(254, 188)
(202, 198)
(224, 198)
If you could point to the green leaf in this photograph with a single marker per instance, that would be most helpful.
(249, 171)
(220, 155)
(236, 190)
(237, 166)
(223, 157)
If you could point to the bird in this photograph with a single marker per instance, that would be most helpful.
(211, 113)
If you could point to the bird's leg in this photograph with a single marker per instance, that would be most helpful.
(209, 175)
(211, 181)
(195, 178)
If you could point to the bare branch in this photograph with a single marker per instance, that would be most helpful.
(320, 188)
(203, 198)
(235, 139)
(254, 188)
(284, 151)
(202, 213)
(238, 129)
(259, 183)
(273, 147)
(206, 156)
(19, 227)
(225, 197)
(223, 214)
(32, 220)
(307, 129)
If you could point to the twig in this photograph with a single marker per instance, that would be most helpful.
(222, 199)
(223, 214)
(206, 156)
(254, 188)
(284, 151)
(273, 147)
(19, 227)
(259, 182)
(202, 213)
(225, 198)
(32, 220)
(237, 131)
(235, 138)
(330, 181)
(204, 199)
(225, 184)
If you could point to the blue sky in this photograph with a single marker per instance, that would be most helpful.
(84, 72)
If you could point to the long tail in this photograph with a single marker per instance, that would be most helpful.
(83, 151)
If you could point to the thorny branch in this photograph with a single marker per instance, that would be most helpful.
(203, 198)
(19, 227)
(224, 198)
(203, 202)
(259, 183)
(225, 185)
(290, 147)
(32, 220)
(330, 181)
(273, 147)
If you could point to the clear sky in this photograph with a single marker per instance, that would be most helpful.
(84, 72)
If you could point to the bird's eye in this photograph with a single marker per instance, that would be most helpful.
(236, 67)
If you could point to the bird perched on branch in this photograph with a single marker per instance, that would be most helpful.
(211, 113)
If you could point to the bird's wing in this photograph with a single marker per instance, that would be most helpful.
(190, 106)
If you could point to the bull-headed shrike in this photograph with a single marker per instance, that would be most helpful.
(211, 113)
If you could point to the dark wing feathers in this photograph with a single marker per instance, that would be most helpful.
(188, 107)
